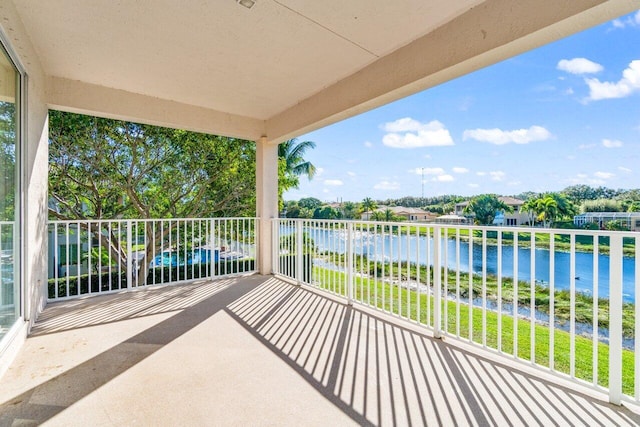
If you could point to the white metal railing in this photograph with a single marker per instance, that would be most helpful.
(560, 299)
(99, 256)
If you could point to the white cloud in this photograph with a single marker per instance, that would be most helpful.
(406, 124)
(586, 146)
(501, 137)
(603, 175)
(444, 178)
(623, 169)
(433, 171)
(569, 91)
(579, 66)
(612, 143)
(387, 185)
(473, 185)
(351, 174)
(481, 173)
(632, 21)
(368, 144)
(333, 182)
(427, 156)
(410, 133)
(497, 175)
(627, 85)
(514, 183)
(457, 169)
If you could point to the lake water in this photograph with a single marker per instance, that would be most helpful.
(391, 247)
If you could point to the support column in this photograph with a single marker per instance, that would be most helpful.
(266, 200)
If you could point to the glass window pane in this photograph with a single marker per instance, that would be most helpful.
(9, 228)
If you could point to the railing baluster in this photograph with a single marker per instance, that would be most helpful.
(484, 287)
(552, 299)
(636, 383)
(130, 262)
(516, 254)
(532, 284)
(349, 249)
(595, 332)
(458, 282)
(615, 318)
(470, 293)
(437, 271)
(572, 307)
(499, 284)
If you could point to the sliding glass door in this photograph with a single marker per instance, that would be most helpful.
(10, 289)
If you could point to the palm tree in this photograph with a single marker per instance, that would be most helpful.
(530, 207)
(292, 152)
(368, 205)
(377, 216)
(547, 209)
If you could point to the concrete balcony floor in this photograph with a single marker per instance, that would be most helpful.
(258, 351)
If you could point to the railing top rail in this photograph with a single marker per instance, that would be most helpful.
(120, 220)
(508, 229)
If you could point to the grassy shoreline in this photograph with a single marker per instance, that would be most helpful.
(493, 289)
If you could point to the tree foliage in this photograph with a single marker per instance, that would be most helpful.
(106, 169)
(484, 208)
(101, 168)
(603, 205)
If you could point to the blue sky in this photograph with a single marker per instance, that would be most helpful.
(563, 114)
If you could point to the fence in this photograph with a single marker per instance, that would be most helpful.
(92, 257)
(562, 300)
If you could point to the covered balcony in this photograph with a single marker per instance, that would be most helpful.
(262, 320)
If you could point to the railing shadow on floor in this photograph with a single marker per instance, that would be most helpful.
(382, 373)
(376, 370)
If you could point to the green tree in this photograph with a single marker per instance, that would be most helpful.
(484, 207)
(390, 216)
(106, 169)
(368, 204)
(326, 212)
(377, 216)
(530, 207)
(547, 210)
(309, 203)
(350, 210)
(616, 225)
(634, 206)
(603, 205)
(292, 154)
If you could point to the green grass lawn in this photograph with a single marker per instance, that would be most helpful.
(411, 305)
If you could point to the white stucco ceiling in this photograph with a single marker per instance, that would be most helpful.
(217, 54)
(283, 67)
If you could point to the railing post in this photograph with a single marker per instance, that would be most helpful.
(130, 264)
(212, 246)
(299, 253)
(349, 263)
(615, 319)
(437, 285)
(275, 243)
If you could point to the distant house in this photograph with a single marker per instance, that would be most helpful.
(510, 219)
(628, 219)
(408, 214)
